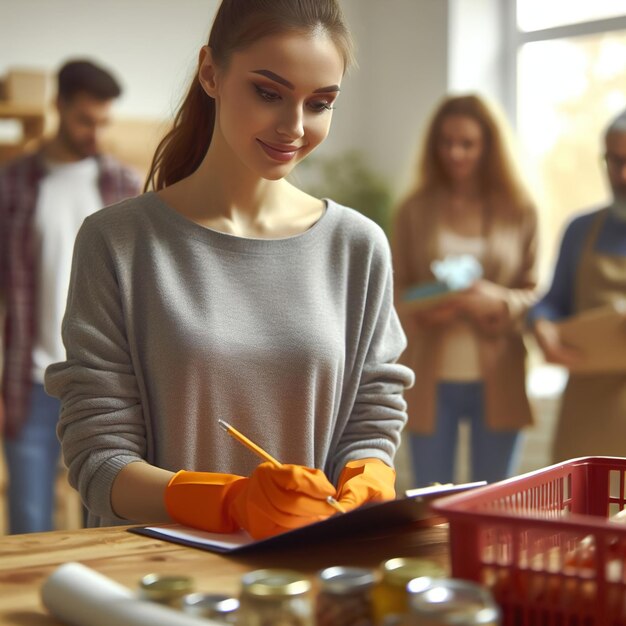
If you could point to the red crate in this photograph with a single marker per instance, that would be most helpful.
(543, 543)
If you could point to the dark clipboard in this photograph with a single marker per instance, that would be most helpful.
(403, 511)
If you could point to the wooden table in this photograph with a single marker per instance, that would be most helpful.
(26, 560)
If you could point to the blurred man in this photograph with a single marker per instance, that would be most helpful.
(44, 198)
(590, 273)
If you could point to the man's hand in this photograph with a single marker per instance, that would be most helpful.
(554, 350)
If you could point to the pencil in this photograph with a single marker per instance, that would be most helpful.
(241, 438)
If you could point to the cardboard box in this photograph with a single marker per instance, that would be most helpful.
(27, 87)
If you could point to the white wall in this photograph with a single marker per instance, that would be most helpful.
(403, 72)
(476, 61)
(152, 45)
(152, 61)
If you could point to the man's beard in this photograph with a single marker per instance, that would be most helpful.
(80, 150)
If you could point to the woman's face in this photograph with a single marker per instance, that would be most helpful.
(460, 147)
(274, 100)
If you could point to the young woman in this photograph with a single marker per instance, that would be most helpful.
(467, 350)
(227, 293)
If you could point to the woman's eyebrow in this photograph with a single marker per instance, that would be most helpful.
(283, 81)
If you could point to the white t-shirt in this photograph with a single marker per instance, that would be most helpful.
(459, 352)
(67, 194)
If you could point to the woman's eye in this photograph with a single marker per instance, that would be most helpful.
(266, 94)
(319, 106)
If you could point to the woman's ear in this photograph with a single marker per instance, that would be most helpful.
(207, 71)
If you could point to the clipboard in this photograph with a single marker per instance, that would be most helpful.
(600, 334)
(410, 509)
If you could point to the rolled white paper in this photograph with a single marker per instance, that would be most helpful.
(80, 596)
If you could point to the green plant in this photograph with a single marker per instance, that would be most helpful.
(348, 180)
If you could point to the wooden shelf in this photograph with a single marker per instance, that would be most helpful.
(11, 110)
(32, 120)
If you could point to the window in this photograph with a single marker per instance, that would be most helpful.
(540, 14)
(570, 82)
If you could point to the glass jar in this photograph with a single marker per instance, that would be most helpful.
(220, 608)
(390, 594)
(450, 602)
(165, 589)
(344, 596)
(273, 597)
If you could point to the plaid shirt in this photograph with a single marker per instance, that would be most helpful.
(19, 186)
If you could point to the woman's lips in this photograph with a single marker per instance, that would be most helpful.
(279, 153)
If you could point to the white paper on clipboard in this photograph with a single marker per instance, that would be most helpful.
(411, 508)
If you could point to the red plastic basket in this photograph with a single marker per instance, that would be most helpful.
(543, 543)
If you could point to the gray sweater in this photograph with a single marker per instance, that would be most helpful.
(171, 326)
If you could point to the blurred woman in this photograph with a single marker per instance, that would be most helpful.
(466, 347)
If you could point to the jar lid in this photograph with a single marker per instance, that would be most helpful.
(161, 588)
(274, 582)
(209, 604)
(452, 601)
(339, 579)
(400, 571)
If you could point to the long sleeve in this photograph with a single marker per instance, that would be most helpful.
(101, 424)
(523, 292)
(557, 302)
(403, 240)
(379, 412)
(4, 231)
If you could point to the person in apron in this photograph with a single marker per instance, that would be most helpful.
(590, 273)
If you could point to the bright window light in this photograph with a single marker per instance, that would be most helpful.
(568, 91)
(540, 14)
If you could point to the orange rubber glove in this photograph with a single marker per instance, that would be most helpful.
(277, 499)
(273, 500)
(204, 500)
(365, 480)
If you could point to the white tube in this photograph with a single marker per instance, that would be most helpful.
(80, 596)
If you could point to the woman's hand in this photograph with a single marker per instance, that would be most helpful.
(277, 499)
(554, 350)
(485, 304)
(440, 314)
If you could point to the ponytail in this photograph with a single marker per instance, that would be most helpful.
(181, 151)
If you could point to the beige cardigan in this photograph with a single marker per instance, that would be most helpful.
(510, 261)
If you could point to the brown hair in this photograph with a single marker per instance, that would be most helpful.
(509, 209)
(81, 76)
(499, 180)
(237, 24)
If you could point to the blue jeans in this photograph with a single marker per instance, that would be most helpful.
(493, 453)
(32, 462)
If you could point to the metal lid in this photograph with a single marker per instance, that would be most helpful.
(274, 582)
(400, 571)
(162, 588)
(209, 604)
(452, 601)
(340, 579)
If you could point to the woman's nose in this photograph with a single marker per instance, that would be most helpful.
(291, 123)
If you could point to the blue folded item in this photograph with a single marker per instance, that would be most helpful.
(453, 273)
(426, 290)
